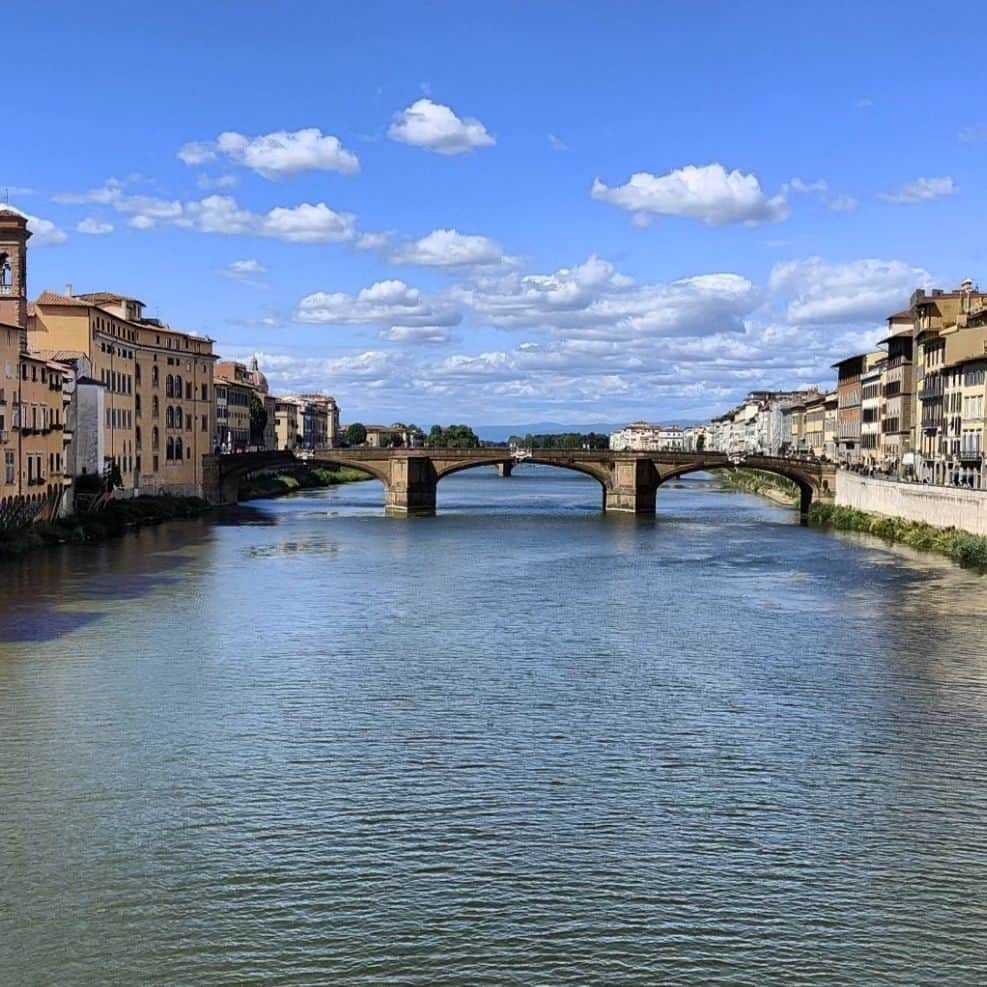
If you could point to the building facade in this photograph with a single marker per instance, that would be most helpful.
(159, 408)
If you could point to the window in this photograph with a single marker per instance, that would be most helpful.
(154, 375)
(170, 418)
(170, 449)
(155, 434)
(178, 448)
(169, 386)
(10, 471)
(188, 390)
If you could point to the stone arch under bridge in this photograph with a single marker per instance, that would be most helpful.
(629, 481)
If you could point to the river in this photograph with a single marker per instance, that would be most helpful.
(517, 743)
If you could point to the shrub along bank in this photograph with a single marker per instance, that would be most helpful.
(305, 478)
(968, 550)
(116, 518)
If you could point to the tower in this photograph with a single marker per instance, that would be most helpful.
(13, 268)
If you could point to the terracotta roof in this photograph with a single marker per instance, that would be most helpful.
(905, 313)
(51, 298)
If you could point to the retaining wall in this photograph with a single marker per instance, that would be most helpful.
(942, 507)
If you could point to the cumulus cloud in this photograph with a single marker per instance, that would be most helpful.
(244, 270)
(437, 128)
(921, 190)
(449, 248)
(820, 189)
(392, 305)
(44, 233)
(94, 227)
(221, 214)
(279, 154)
(593, 301)
(708, 193)
(416, 334)
(823, 294)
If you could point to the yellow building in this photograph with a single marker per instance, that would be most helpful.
(159, 411)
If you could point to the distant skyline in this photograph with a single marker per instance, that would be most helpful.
(501, 213)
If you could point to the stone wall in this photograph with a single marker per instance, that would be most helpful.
(942, 507)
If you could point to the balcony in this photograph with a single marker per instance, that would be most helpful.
(931, 389)
(971, 455)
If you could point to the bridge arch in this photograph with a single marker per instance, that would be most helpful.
(808, 485)
(598, 473)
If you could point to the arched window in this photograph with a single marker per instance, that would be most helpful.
(178, 387)
(155, 436)
(178, 448)
(178, 417)
(170, 417)
(169, 386)
(155, 409)
(170, 449)
(154, 375)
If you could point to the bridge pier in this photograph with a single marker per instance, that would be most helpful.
(505, 469)
(633, 488)
(412, 487)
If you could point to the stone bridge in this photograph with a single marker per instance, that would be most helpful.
(629, 480)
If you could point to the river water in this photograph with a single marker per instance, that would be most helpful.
(518, 743)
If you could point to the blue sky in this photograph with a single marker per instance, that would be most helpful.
(505, 213)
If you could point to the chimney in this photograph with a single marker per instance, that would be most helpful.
(68, 291)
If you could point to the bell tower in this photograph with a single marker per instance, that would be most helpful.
(13, 268)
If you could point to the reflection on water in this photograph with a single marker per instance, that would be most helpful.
(517, 743)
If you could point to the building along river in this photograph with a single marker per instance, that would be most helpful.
(521, 742)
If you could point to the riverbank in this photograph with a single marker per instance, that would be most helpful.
(969, 551)
(118, 517)
(301, 478)
(775, 488)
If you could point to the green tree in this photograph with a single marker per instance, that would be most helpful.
(356, 434)
(700, 443)
(258, 419)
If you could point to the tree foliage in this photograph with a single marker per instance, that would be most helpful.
(452, 437)
(356, 434)
(258, 419)
(565, 440)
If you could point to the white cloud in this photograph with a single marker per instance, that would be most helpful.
(197, 153)
(416, 334)
(276, 155)
(94, 227)
(44, 233)
(307, 223)
(842, 203)
(221, 214)
(921, 190)
(822, 293)
(820, 189)
(593, 301)
(449, 248)
(708, 193)
(971, 135)
(244, 270)
(208, 183)
(389, 304)
(556, 143)
(436, 128)
(372, 241)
